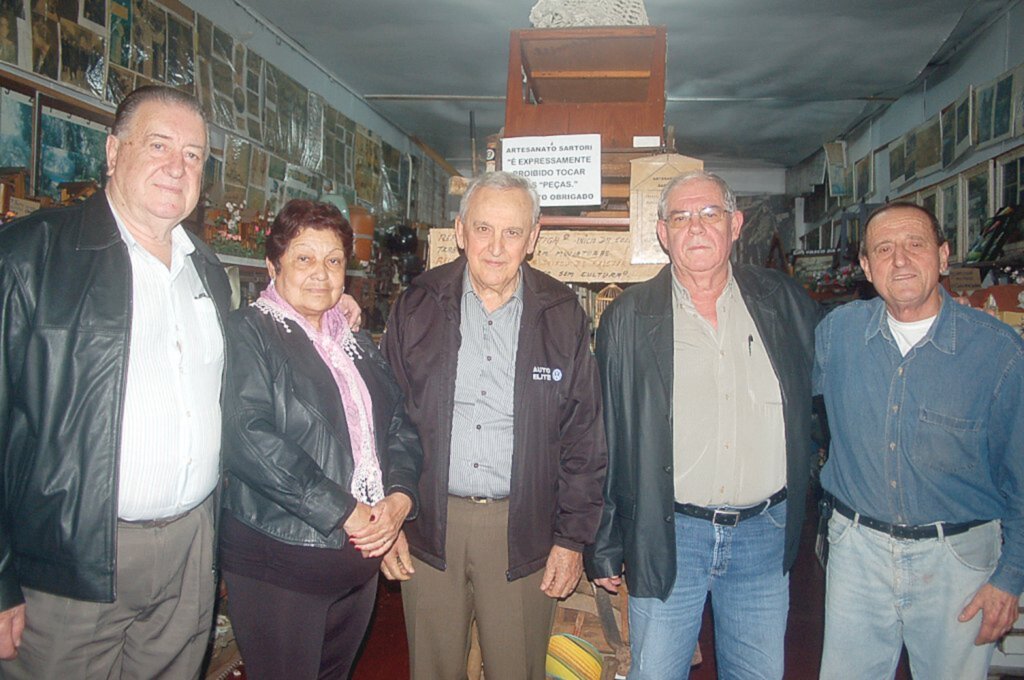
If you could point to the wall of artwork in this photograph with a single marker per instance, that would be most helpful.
(950, 145)
(282, 126)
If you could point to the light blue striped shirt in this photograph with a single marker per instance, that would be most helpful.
(481, 444)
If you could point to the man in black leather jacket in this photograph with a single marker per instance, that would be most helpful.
(92, 585)
(705, 373)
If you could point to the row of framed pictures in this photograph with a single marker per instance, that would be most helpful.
(981, 116)
(962, 204)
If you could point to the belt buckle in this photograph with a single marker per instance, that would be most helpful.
(728, 518)
(479, 500)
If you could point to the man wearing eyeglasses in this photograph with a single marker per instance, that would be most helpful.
(706, 379)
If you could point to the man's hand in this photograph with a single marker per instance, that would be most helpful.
(562, 572)
(609, 583)
(397, 564)
(998, 612)
(12, 624)
(351, 311)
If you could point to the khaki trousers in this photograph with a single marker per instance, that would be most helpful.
(158, 627)
(514, 618)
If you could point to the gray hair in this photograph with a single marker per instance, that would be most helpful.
(728, 197)
(940, 238)
(502, 181)
(129, 106)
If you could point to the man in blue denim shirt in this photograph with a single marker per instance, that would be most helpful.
(925, 400)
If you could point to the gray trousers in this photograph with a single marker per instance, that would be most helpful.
(158, 627)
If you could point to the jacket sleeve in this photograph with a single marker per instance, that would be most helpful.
(404, 454)
(257, 453)
(605, 557)
(13, 337)
(584, 454)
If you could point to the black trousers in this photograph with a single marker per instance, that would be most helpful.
(283, 633)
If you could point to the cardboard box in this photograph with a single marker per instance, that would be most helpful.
(648, 176)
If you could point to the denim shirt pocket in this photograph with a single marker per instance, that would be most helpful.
(947, 443)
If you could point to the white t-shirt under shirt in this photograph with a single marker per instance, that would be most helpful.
(909, 333)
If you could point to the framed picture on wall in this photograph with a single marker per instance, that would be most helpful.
(947, 132)
(929, 147)
(964, 126)
(977, 204)
(949, 216)
(897, 168)
(993, 102)
(864, 177)
(1018, 101)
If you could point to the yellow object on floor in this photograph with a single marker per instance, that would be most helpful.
(572, 658)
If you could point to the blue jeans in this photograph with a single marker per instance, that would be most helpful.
(741, 567)
(883, 592)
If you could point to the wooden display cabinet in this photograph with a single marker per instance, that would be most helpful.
(587, 80)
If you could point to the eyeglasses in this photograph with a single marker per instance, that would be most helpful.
(709, 216)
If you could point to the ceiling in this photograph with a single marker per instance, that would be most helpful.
(750, 83)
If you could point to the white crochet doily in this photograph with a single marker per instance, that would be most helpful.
(568, 13)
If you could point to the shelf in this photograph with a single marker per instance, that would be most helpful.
(241, 261)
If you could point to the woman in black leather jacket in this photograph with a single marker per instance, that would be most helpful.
(322, 462)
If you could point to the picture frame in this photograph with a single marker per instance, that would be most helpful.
(928, 151)
(864, 177)
(964, 122)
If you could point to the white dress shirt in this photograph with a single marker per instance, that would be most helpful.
(170, 427)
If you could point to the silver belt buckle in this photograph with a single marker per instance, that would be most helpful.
(728, 518)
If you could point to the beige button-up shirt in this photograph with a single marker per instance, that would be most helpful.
(728, 432)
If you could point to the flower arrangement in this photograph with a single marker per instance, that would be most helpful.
(233, 235)
(1014, 275)
(840, 279)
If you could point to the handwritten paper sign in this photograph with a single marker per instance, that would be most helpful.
(569, 255)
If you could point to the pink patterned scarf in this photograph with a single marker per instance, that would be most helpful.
(337, 347)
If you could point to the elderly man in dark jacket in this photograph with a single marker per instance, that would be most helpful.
(111, 361)
(705, 371)
(495, 362)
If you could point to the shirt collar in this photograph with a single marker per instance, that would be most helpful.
(681, 296)
(181, 244)
(942, 334)
(467, 287)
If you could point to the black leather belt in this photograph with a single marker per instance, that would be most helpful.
(730, 518)
(904, 531)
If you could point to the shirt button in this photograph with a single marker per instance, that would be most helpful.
(668, 518)
(895, 408)
(892, 446)
(479, 427)
(892, 483)
(900, 370)
(476, 465)
(488, 358)
(667, 469)
(490, 323)
(483, 393)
